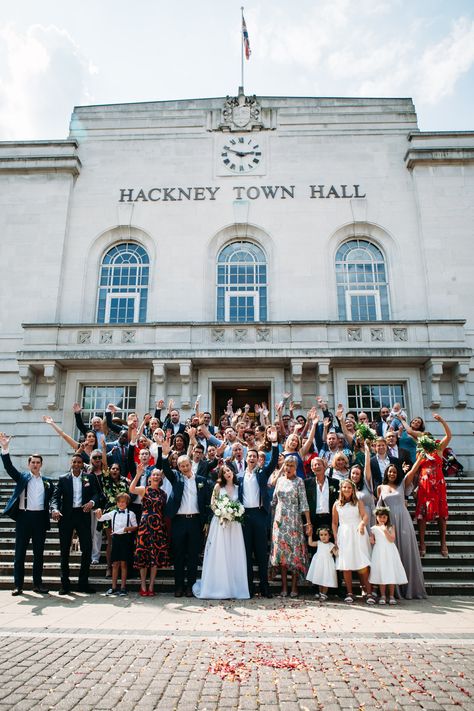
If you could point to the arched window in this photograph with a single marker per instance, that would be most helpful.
(362, 290)
(123, 285)
(241, 283)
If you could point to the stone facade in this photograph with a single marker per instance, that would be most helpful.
(313, 175)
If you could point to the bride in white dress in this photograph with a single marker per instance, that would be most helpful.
(224, 570)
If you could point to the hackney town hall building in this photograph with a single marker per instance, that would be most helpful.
(238, 247)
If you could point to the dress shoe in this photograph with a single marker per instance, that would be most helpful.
(86, 589)
(143, 593)
(64, 591)
(266, 593)
(17, 591)
(189, 592)
(151, 593)
(178, 593)
(40, 589)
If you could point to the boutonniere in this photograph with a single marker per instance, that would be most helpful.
(85, 482)
(200, 485)
(46, 484)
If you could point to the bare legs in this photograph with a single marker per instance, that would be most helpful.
(284, 582)
(151, 585)
(442, 536)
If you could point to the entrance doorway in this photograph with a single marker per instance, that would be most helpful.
(241, 395)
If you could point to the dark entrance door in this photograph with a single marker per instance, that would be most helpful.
(240, 395)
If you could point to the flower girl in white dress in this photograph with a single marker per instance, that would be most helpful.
(387, 568)
(322, 570)
(224, 570)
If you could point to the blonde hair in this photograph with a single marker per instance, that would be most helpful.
(337, 457)
(353, 500)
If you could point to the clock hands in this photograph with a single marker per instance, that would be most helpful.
(240, 154)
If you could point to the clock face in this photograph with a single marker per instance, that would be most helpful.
(241, 154)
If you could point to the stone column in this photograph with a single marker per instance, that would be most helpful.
(433, 371)
(52, 374)
(185, 373)
(323, 378)
(460, 373)
(158, 379)
(296, 380)
(28, 380)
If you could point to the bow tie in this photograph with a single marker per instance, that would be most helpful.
(120, 511)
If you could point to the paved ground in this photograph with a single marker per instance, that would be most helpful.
(87, 653)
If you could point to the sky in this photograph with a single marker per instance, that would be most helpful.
(56, 54)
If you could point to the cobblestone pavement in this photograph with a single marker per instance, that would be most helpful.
(92, 654)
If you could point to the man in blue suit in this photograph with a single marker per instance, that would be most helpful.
(29, 508)
(254, 494)
(190, 512)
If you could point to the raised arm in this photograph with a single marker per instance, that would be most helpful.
(7, 462)
(110, 410)
(134, 489)
(367, 469)
(413, 471)
(167, 471)
(71, 442)
(307, 445)
(447, 431)
(348, 436)
(80, 424)
(413, 433)
(270, 467)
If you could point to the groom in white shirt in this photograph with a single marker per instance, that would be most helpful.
(254, 494)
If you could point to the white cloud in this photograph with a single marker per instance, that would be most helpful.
(368, 48)
(442, 64)
(44, 75)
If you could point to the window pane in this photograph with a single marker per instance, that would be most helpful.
(241, 270)
(117, 275)
(360, 266)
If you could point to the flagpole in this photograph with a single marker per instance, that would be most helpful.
(242, 52)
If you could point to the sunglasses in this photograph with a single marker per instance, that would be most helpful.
(96, 457)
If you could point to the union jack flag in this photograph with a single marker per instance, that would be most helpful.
(245, 39)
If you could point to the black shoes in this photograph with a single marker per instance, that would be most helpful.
(17, 591)
(189, 592)
(40, 589)
(64, 591)
(86, 589)
(178, 593)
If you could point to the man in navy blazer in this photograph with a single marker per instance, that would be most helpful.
(189, 508)
(380, 461)
(255, 496)
(75, 496)
(29, 508)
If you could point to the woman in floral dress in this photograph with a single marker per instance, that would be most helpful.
(288, 550)
(152, 549)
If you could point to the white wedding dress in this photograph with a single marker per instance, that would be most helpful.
(224, 570)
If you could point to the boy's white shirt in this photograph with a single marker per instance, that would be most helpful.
(120, 525)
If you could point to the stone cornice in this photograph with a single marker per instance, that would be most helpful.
(438, 156)
(39, 157)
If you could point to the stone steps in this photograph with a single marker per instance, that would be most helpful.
(443, 576)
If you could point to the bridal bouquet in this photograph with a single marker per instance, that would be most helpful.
(228, 511)
(426, 445)
(365, 432)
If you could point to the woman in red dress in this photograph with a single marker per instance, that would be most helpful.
(431, 501)
(152, 549)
